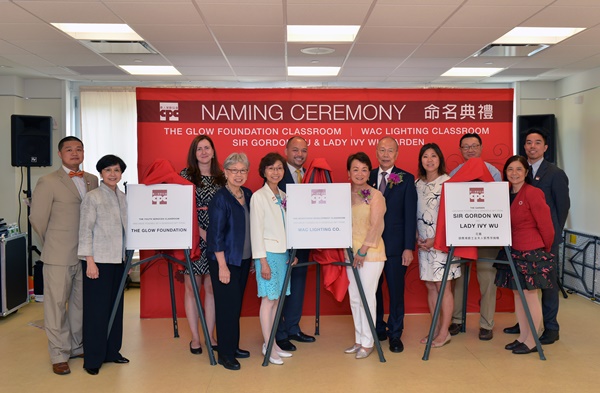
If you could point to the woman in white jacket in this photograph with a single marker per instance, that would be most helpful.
(269, 246)
(102, 227)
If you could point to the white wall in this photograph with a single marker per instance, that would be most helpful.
(575, 101)
(43, 97)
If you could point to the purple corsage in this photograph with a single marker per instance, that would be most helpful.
(365, 194)
(394, 178)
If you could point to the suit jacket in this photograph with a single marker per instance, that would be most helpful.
(102, 225)
(227, 229)
(555, 184)
(288, 178)
(400, 217)
(267, 229)
(530, 221)
(54, 215)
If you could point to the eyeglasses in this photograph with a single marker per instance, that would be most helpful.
(389, 151)
(236, 171)
(471, 147)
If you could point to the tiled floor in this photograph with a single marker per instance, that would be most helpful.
(161, 363)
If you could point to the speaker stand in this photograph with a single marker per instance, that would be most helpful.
(30, 247)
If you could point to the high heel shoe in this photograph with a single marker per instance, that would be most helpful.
(523, 349)
(363, 352)
(352, 349)
(273, 360)
(195, 351)
(439, 345)
(284, 354)
(512, 345)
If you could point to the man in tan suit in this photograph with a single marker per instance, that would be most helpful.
(55, 217)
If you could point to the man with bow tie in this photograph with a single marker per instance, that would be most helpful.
(55, 218)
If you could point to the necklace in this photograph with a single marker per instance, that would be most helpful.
(235, 196)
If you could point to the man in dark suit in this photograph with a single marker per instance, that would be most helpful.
(296, 151)
(399, 237)
(55, 217)
(555, 184)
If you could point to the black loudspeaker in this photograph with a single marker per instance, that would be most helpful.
(31, 140)
(546, 123)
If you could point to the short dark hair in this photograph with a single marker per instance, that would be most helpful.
(523, 162)
(110, 160)
(469, 136)
(68, 139)
(438, 151)
(294, 137)
(360, 157)
(268, 160)
(536, 130)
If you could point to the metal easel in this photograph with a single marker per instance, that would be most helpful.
(170, 259)
(438, 305)
(286, 282)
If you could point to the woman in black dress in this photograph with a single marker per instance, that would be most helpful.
(204, 171)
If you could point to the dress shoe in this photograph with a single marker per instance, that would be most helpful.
(196, 351)
(352, 349)
(229, 364)
(92, 371)
(512, 345)
(523, 349)
(549, 337)
(282, 354)
(121, 360)
(286, 345)
(382, 336)
(439, 345)
(61, 368)
(396, 345)
(486, 334)
(512, 330)
(301, 337)
(241, 354)
(80, 356)
(454, 328)
(363, 352)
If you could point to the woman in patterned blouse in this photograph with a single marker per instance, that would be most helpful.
(204, 171)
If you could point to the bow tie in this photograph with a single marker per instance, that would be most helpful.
(78, 174)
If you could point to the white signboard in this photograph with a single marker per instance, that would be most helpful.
(319, 215)
(477, 214)
(159, 216)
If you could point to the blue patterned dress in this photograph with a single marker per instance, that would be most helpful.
(278, 264)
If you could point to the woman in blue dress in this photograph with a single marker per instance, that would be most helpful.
(269, 246)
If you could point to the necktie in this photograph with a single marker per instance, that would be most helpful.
(530, 173)
(78, 174)
(299, 175)
(382, 183)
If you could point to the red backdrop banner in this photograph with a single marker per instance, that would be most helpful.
(335, 124)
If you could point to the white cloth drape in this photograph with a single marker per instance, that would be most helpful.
(109, 126)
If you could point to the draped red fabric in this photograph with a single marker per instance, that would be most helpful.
(162, 171)
(473, 169)
(335, 279)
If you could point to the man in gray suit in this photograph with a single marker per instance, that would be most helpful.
(55, 218)
(555, 184)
